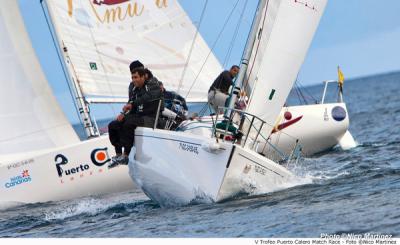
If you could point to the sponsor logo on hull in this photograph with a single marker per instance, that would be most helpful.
(18, 180)
(100, 157)
(65, 170)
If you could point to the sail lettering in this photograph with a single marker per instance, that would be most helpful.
(112, 15)
(161, 4)
(116, 13)
(70, 8)
(133, 10)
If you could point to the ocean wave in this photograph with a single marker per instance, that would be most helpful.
(96, 206)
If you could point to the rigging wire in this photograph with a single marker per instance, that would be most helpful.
(213, 47)
(295, 89)
(300, 95)
(235, 35)
(309, 95)
(244, 86)
(56, 46)
(192, 46)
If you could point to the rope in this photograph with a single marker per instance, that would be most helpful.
(213, 46)
(235, 35)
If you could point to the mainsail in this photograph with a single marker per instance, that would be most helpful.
(30, 117)
(285, 34)
(103, 37)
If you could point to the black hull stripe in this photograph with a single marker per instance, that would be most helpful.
(260, 164)
(230, 156)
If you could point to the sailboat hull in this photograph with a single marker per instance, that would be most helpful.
(175, 168)
(63, 173)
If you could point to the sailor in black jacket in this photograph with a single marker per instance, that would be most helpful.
(219, 90)
(140, 111)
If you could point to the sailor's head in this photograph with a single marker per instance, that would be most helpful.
(135, 64)
(234, 70)
(138, 77)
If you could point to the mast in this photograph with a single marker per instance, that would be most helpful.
(247, 53)
(79, 100)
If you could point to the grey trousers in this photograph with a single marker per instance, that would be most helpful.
(217, 99)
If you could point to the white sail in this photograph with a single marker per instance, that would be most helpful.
(286, 32)
(103, 37)
(30, 118)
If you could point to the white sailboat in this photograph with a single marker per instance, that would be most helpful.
(318, 127)
(41, 157)
(202, 165)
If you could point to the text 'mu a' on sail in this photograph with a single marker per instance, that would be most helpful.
(288, 27)
(30, 117)
(103, 37)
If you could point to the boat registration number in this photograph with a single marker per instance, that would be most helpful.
(260, 170)
(188, 147)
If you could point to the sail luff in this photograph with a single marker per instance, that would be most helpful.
(78, 97)
(286, 37)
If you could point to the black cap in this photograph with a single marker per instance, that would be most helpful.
(135, 64)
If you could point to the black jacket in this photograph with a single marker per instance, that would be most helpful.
(145, 100)
(223, 82)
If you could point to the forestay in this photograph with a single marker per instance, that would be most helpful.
(103, 37)
(30, 118)
(286, 32)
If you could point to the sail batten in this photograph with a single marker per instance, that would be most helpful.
(31, 118)
(102, 40)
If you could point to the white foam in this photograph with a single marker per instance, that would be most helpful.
(91, 206)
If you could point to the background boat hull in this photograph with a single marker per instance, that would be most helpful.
(82, 175)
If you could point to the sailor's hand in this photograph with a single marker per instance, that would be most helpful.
(127, 107)
(120, 117)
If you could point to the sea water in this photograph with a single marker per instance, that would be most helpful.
(352, 192)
